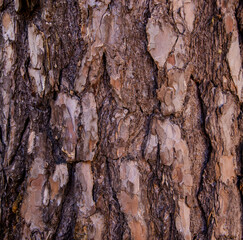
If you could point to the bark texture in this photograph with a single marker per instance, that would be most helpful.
(121, 119)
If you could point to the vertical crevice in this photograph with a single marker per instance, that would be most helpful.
(147, 131)
(121, 225)
(240, 177)
(147, 15)
(65, 227)
(2, 145)
(20, 138)
(207, 159)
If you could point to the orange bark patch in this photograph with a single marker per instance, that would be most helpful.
(171, 59)
(138, 230)
(71, 136)
(177, 175)
(54, 188)
(227, 168)
(229, 24)
(116, 84)
(129, 205)
(224, 201)
(6, 20)
(38, 182)
(161, 93)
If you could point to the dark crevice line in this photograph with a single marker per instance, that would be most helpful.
(57, 153)
(239, 183)
(121, 222)
(108, 96)
(8, 127)
(239, 22)
(26, 124)
(158, 166)
(156, 178)
(3, 144)
(26, 65)
(60, 80)
(8, 194)
(68, 192)
(147, 15)
(144, 143)
(122, 219)
(207, 159)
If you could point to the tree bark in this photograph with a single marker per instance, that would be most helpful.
(121, 119)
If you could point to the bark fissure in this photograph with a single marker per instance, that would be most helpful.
(65, 227)
(9, 161)
(205, 162)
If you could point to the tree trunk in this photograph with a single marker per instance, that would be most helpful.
(121, 119)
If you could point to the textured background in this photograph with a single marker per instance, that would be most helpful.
(121, 119)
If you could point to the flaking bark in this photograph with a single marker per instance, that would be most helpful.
(121, 119)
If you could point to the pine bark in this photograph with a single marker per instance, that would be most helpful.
(121, 119)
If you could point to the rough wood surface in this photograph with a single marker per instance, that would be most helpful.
(121, 119)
